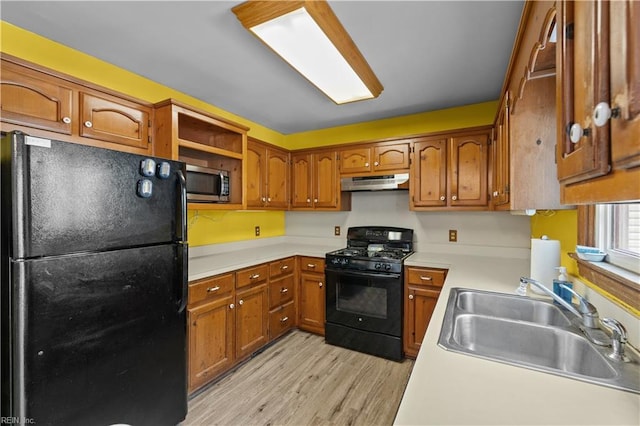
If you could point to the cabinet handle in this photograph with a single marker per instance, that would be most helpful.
(254, 276)
(308, 200)
(442, 198)
(426, 278)
(285, 319)
(66, 120)
(268, 199)
(284, 267)
(602, 113)
(264, 199)
(495, 193)
(240, 302)
(576, 132)
(366, 164)
(454, 197)
(411, 297)
(88, 124)
(376, 164)
(212, 289)
(311, 265)
(284, 290)
(315, 200)
(320, 284)
(231, 306)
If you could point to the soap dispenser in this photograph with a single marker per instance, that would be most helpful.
(562, 279)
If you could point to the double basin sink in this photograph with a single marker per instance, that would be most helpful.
(533, 334)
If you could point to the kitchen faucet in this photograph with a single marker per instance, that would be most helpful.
(586, 311)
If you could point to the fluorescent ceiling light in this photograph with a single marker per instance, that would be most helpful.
(308, 36)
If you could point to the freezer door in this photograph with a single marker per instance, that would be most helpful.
(70, 198)
(100, 338)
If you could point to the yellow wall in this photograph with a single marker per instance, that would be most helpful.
(559, 225)
(207, 227)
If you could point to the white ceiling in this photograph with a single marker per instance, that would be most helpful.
(429, 55)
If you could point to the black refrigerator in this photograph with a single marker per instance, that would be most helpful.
(94, 285)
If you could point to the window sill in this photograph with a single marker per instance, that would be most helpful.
(618, 282)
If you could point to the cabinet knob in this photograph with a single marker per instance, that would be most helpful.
(320, 284)
(212, 289)
(240, 302)
(231, 306)
(454, 197)
(576, 132)
(264, 199)
(495, 193)
(366, 164)
(308, 200)
(88, 124)
(315, 200)
(376, 164)
(411, 297)
(602, 113)
(268, 199)
(442, 198)
(285, 319)
(254, 276)
(284, 290)
(66, 120)
(284, 267)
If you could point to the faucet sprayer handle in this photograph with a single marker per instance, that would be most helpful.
(616, 327)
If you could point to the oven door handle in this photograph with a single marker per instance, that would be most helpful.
(359, 273)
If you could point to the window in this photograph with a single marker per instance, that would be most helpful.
(617, 228)
(617, 232)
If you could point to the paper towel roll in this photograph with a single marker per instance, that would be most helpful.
(545, 256)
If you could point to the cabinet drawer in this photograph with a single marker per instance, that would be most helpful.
(208, 288)
(282, 267)
(253, 275)
(424, 276)
(312, 264)
(281, 291)
(281, 320)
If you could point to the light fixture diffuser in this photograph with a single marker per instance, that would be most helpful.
(308, 36)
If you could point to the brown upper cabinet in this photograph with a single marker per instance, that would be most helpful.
(201, 139)
(599, 101)
(267, 176)
(522, 167)
(314, 181)
(374, 159)
(450, 170)
(44, 103)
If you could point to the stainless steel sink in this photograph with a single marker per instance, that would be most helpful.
(530, 333)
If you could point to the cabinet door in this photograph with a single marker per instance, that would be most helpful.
(256, 173)
(281, 291)
(355, 160)
(211, 331)
(115, 120)
(277, 179)
(583, 80)
(311, 312)
(252, 320)
(33, 99)
(418, 307)
(625, 82)
(301, 185)
(468, 170)
(391, 157)
(429, 173)
(500, 157)
(325, 179)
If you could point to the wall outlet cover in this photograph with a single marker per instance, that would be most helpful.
(257, 231)
(453, 235)
(336, 230)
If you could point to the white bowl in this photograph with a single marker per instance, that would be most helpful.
(593, 257)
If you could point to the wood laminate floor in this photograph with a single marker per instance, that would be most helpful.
(300, 380)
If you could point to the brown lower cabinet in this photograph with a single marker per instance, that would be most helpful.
(422, 289)
(312, 295)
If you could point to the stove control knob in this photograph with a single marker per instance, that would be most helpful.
(378, 265)
(387, 267)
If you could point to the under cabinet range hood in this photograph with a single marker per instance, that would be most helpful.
(375, 183)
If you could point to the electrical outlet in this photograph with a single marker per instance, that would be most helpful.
(257, 231)
(336, 230)
(453, 235)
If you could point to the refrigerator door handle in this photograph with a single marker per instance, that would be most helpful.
(183, 205)
(184, 279)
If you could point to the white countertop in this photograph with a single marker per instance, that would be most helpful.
(450, 388)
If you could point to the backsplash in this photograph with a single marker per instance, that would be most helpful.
(482, 233)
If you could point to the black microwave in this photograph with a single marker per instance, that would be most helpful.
(206, 185)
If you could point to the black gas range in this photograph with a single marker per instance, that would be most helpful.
(364, 290)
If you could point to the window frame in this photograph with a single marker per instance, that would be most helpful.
(604, 277)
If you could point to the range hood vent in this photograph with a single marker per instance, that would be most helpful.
(375, 183)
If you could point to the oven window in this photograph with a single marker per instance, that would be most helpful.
(358, 296)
